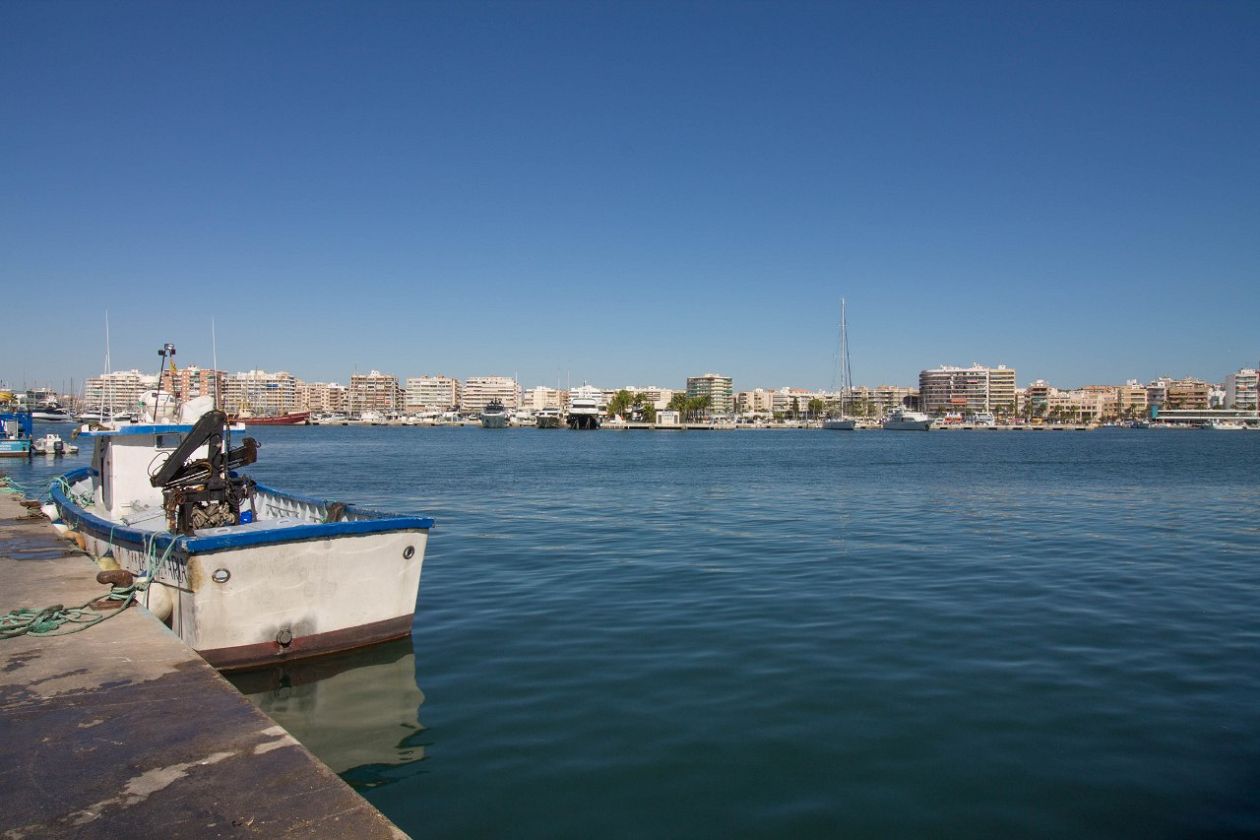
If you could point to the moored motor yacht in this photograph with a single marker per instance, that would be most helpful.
(903, 420)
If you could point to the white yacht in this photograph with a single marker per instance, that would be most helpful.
(902, 420)
(548, 418)
(584, 410)
(494, 415)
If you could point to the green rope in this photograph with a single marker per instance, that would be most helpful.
(82, 500)
(52, 621)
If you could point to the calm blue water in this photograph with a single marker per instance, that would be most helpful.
(801, 633)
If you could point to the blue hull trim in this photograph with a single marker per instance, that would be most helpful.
(142, 540)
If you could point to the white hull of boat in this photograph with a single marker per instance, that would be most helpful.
(302, 588)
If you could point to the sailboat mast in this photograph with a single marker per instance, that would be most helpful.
(846, 373)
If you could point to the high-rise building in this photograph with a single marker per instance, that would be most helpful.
(190, 382)
(973, 390)
(1240, 389)
(1186, 394)
(118, 391)
(479, 390)
(322, 396)
(717, 388)
(374, 391)
(432, 393)
(260, 393)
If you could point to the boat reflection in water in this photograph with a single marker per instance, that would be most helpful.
(359, 712)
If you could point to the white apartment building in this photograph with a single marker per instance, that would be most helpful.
(259, 392)
(480, 390)
(974, 390)
(794, 400)
(717, 388)
(1240, 389)
(756, 401)
(118, 391)
(432, 393)
(540, 397)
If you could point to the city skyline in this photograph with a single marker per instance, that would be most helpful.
(632, 193)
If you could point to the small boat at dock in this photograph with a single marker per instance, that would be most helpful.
(52, 444)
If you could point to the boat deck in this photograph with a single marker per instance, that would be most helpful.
(123, 731)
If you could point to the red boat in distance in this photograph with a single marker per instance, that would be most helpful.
(295, 418)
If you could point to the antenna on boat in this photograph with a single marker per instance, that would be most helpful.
(167, 351)
(214, 356)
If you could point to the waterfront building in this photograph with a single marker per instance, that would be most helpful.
(431, 393)
(974, 390)
(1037, 396)
(480, 390)
(1157, 393)
(795, 401)
(658, 397)
(1187, 395)
(374, 391)
(717, 388)
(260, 393)
(322, 397)
(889, 398)
(756, 401)
(1241, 389)
(540, 397)
(119, 390)
(1131, 400)
(189, 382)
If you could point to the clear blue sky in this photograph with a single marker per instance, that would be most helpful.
(631, 192)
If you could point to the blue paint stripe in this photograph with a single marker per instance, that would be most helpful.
(141, 540)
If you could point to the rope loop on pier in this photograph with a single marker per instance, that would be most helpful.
(57, 620)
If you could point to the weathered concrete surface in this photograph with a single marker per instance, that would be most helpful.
(123, 731)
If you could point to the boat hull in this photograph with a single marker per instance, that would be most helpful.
(583, 421)
(297, 418)
(908, 425)
(837, 425)
(247, 597)
(547, 422)
(19, 448)
(494, 421)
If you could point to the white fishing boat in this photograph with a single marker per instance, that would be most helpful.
(246, 575)
(902, 420)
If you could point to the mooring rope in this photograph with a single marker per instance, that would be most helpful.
(51, 620)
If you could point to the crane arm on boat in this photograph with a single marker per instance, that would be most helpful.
(204, 492)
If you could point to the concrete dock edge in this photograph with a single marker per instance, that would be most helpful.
(123, 731)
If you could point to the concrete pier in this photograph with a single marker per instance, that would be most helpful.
(122, 731)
